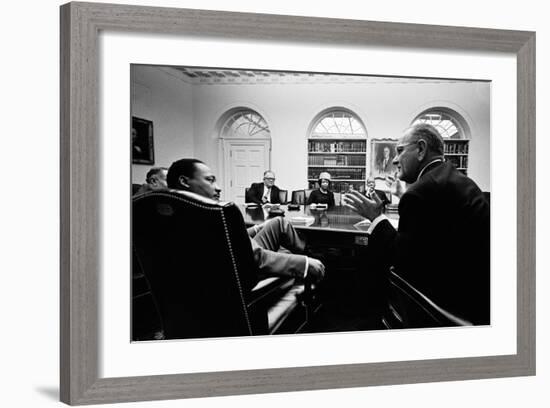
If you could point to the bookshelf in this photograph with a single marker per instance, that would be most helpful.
(344, 158)
(456, 152)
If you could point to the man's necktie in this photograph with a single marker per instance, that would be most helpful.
(266, 197)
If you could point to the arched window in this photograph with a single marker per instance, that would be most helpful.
(448, 124)
(337, 144)
(338, 123)
(455, 132)
(245, 124)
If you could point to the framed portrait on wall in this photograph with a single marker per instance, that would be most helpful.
(95, 237)
(383, 153)
(143, 151)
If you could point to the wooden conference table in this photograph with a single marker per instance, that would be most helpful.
(351, 294)
(338, 225)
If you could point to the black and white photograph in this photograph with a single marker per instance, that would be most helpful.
(262, 258)
(257, 218)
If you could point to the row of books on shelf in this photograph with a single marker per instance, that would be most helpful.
(458, 161)
(337, 147)
(337, 160)
(456, 147)
(338, 173)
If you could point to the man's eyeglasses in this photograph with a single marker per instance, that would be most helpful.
(399, 149)
(269, 178)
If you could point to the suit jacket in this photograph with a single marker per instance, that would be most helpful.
(442, 246)
(382, 196)
(256, 192)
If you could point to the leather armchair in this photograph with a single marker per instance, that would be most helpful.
(410, 308)
(197, 257)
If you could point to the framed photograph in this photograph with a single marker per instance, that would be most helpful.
(98, 358)
(383, 153)
(143, 151)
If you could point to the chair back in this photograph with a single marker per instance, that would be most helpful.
(197, 257)
(146, 323)
(298, 197)
(283, 195)
(487, 195)
(410, 308)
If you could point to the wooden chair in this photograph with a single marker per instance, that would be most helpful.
(283, 196)
(198, 260)
(410, 308)
(298, 197)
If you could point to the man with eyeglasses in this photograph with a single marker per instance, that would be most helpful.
(264, 193)
(442, 245)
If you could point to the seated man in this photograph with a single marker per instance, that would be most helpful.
(155, 180)
(371, 190)
(263, 193)
(441, 211)
(266, 239)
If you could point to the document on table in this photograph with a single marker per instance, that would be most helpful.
(307, 221)
(365, 224)
(362, 225)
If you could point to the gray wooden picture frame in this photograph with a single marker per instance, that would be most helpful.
(81, 24)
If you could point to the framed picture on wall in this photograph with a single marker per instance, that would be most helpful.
(99, 363)
(143, 151)
(383, 153)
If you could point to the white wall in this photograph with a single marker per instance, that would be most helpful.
(30, 222)
(289, 109)
(160, 97)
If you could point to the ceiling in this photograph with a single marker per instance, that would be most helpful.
(198, 75)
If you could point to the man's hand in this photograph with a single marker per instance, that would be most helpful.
(316, 270)
(368, 208)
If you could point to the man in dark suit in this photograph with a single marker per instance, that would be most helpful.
(266, 239)
(155, 179)
(442, 245)
(371, 191)
(264, 193)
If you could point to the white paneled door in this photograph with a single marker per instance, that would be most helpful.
(246, 162)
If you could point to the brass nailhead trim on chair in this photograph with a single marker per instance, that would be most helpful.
(219, 209)
(243, 303)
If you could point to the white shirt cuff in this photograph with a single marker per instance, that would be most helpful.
(375, 222)
(307, 267)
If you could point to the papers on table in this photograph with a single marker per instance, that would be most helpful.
(362, 225)
(306, 221)
(365, 224)
(314, 206)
